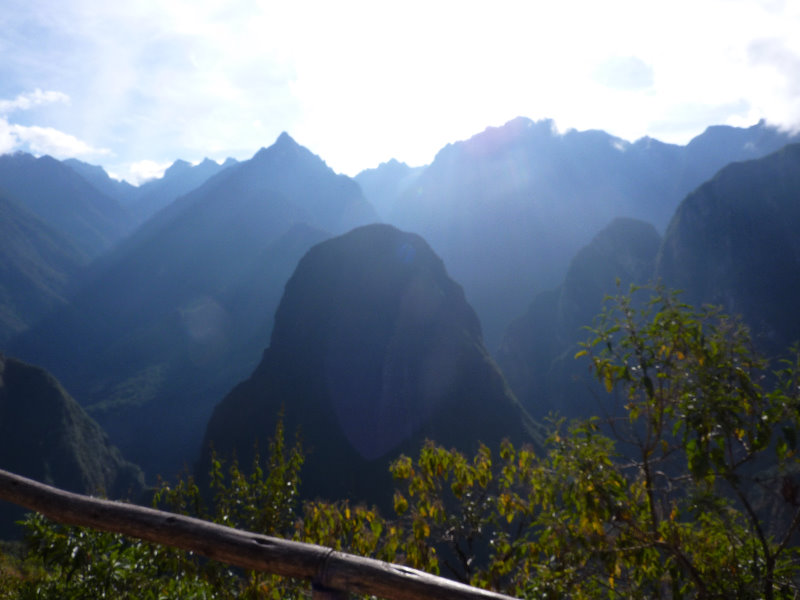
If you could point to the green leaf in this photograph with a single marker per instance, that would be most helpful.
(608, 380)
(781, 449)
(400, 503)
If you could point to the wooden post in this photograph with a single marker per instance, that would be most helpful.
(330, 572)
(319, 588)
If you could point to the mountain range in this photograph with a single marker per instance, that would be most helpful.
(508, 208)
(731, 243)
(150, 197)
(153, 306)
(162, 328)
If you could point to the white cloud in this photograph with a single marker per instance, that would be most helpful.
(144, 170)
(778, 64)
(8, 141)
(46, 140)
(38, 139)
(29, 100)
(624, 73)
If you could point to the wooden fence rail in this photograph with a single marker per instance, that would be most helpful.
(333, 574)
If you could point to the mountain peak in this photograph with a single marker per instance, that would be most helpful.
(283, 144)
(179, 166)
(284, 139)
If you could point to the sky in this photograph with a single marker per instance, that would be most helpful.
(135, 85)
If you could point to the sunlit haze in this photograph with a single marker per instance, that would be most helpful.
(133, 86)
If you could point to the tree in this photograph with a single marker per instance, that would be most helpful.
(712, 435)
(689, 490)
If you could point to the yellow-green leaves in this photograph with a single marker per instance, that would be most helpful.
(699, 420)
(400, 503)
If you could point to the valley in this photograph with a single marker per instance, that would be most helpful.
(159, 328)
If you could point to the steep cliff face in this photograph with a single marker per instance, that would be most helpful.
(45, 435)
(734, 242)
(374, 349)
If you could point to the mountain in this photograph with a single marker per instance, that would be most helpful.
(37, 265)
(192, 358)
(374, 349)
(733, 242)
(538, 348)
(45, 435)
(162, 330)
(144, 201)
(254, 300)
(720, 145)
(385, 184)
(179, 179)
(64, 201)
(509, 208)
(173, 315)
(121, 191)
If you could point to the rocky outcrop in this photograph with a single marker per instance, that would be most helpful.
(374, 349)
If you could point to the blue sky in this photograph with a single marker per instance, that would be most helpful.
(135, 85)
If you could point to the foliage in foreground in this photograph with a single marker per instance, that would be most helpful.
(689, 490)
(75, 562)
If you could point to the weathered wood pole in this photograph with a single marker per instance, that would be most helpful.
(333, 573)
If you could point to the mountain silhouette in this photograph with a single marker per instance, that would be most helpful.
(374, 349)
